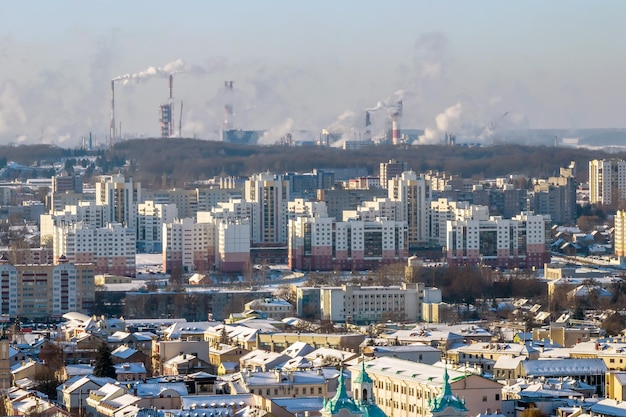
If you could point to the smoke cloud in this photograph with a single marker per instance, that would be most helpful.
(446, 121)
(273, 135)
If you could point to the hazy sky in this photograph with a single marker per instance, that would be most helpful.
(457, 65)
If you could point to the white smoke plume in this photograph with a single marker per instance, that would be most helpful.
(175, 67)
(446, 121)
(273, 135)
(390, 103)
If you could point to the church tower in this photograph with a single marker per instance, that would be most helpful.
(446, 404)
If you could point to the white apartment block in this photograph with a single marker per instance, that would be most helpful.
(188, 246)
(112, 248)
(320, 243)
(415, 195)
(356, 304)
(443, 210)
(233, 245)
(186, 201)
(86, 212)
(301, 207)
(150, 220)
(270, 194)
(607, 181)
(377, 208)
(519, 242)
(120, 199)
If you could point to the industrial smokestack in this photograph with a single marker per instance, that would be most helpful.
(112, 124)
(396, 135)
(171, 86)
(395, 129)
(228, 107)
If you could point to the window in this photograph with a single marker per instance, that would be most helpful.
(497, 397)
(484, 398)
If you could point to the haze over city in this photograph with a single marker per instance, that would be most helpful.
(458, 66)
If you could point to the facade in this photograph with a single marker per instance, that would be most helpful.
(46, 291)
(233, 245)
(391, 169)
(415, 195)
(269, 194)
(443, 210)
(186, 201)
(120, 199)
(188, 246)
(339, 199)
(320, 243)
(86, 212)
(519, 242)
(112, 248)
(619, 234)
(607, 181)
(273, 308)
(356, 304)
(405, 388)
(556, 197)
(150, 220)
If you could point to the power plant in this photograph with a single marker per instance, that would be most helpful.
(228, 133)
(166, 113)
(352, 137)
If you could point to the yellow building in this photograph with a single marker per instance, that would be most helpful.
(221, 352)
(613, 354)
(616, 385)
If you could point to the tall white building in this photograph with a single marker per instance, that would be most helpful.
(607, 181)
(150, 220)
(414, 193)
(270, 194)
(233, 245)
(120, 198)
(112, 248)
(86, 212)
(188, 246)
(443, 210)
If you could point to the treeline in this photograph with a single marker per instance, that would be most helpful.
(175, 162)
(182, 160)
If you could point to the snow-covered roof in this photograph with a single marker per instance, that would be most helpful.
(564, 367)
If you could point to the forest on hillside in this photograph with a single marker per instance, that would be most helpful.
(175, 162)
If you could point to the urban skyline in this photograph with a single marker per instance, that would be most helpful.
(458, 66)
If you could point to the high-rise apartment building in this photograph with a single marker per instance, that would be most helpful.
(391, 169)
(607, 181)
(523, 241)
(150, 220)
(415, 195)
(112, 248)
(269, 194)
(120, 197)
(46, 291)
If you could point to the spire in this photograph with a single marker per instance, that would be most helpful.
(446, 398)
(340, 399)
(362, 376)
